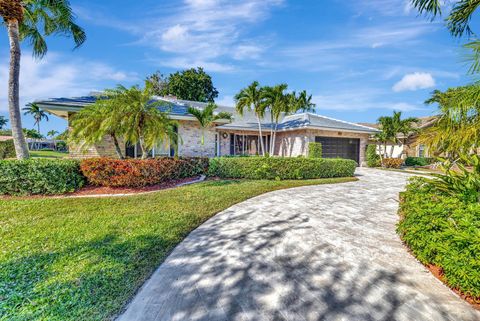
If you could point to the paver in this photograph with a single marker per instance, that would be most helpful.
(327, 252)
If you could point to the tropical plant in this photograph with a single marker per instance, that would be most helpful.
(456, 130)
(37, 113)
(458, 23)
(32, 133)
(206, 117)
(32, 20)
(391, 127)
(192, 84)
(52, 134)
(250, 98)
(278, 103)
(3, 122)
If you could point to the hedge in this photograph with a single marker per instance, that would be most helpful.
(280, 167)
(314, 150)
(140, 172)
(373, 159)
(443, 230)
(418, 161)
(39, 176)
(7, 149)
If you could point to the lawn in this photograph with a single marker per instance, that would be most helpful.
(47, 154)
(84, 258)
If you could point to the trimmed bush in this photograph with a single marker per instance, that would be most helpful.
(418, 161)
(443, 230)
(314, 150)
(7, 149)
(392, 162)
(140, 172)
(39, 176)
(281, 167)
(373, 159)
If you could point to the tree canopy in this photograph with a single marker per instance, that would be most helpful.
(191, 84)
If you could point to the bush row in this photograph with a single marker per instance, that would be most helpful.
(314, 150)
(140, 172)
(7, 149)
(443, 230)
(373, 159)
(419, 161)
(39, 176)
(280, 167)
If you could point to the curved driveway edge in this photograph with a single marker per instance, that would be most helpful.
(326, 252)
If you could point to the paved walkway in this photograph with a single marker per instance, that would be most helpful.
(327, 252)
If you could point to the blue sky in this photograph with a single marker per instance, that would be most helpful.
(359, 59)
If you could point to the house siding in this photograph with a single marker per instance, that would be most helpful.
(190, 140)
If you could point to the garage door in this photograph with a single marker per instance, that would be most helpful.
(333, 147)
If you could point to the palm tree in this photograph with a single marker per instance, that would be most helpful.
(391, 127)
(52, 134)
(458, 23)
(250, 98)
(32, 20)
(37, 113)
(142, 120)
(206, 117)
(275, 99)
(3, 122)
(387, 133)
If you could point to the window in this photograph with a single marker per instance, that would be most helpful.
(421, 150)
(246, 144)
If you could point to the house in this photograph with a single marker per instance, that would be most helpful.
(408, 146)
(340, 139)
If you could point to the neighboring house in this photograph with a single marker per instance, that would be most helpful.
(5, 138)
(411, 147)
(340, 139)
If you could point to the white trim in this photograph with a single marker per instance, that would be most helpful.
(297, 128)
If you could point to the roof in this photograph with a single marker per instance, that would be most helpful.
(425, 121)
(177, 108)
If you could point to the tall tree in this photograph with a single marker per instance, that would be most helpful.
(391, 127)
(37, 113)
(3, 122)
(458, 23)
(32, 20)
(250, 98)
(159, 83)
(52, 133)
(207, 116)
(191, 84)
(275, 99)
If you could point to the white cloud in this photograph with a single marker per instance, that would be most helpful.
(54, 76)
(415, 81)
(226, 101)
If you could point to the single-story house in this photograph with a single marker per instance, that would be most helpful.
(409, 146)
(340, 139)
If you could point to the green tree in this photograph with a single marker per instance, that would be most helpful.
(32, 20)
(391, 127)
(458, 23)
(250, 98)
(3, 122)
(52, 134)
(37, 113)
(278, 103)
(159, 83)
(192, 84)
(457, 128)
(206, 117)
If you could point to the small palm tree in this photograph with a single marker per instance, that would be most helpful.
(37, 113)
(250, 98)
(52, 134)
(206, 117)
(32, 20)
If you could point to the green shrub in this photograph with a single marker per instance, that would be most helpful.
(39, 176)
(418, 161)
(281, 167)
(392, 162)
(7, 149)
(140, 172)
(314, 150)
(373, 159)
(443, 230)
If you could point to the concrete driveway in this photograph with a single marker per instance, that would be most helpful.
(327, 252)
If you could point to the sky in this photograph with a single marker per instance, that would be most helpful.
(359, 59)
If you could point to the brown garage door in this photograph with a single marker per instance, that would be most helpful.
(333, 147)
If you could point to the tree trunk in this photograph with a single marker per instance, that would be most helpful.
(260, 138)
(391, 151)
(271, 133)
(272, 147)
(142, 148)
(379, 145)
(118, 150)
(21, 148)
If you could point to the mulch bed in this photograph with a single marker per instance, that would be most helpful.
(101, 190)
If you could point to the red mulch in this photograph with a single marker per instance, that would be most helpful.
(438, 273)
(101, 190)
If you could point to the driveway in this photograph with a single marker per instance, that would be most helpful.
(327, 252)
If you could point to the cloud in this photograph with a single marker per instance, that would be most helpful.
(55, 76)
(415, 81)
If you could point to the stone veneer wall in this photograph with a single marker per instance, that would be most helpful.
(295, 143)
(190, 140)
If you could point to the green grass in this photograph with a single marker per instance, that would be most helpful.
(47, 154)
(84, 258)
